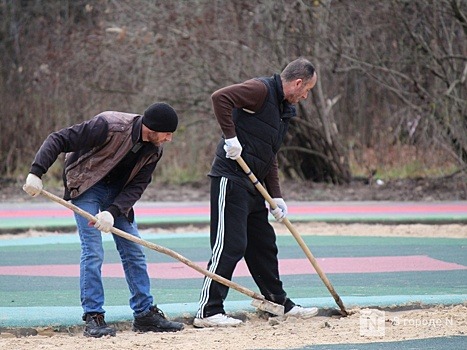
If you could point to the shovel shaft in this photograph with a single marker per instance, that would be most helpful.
(296, 235)
(161, 249)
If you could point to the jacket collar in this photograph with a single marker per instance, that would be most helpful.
(137, 129)
(288, 110)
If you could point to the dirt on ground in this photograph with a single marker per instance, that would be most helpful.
(258, 331)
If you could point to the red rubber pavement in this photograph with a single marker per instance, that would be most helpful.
(43, 214)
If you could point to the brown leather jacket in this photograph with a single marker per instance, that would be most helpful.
(93, 148)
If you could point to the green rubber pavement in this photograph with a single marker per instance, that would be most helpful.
(52, 297)
(39, 283)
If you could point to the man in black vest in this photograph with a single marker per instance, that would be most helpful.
(254, 118)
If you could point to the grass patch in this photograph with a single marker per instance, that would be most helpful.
(400, 162)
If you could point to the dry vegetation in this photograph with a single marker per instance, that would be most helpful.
(392, 78)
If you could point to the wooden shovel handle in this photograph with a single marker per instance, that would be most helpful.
(157, 248)
(296, 235)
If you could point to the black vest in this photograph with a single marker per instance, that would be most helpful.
(260, 134)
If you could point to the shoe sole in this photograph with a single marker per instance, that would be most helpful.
(206, 324)
(154, 329)
(86, 334)
(306, 316)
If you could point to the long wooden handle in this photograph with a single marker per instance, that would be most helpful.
(157, 248)
(296, 235)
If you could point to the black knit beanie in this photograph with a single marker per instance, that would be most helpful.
(160, 117)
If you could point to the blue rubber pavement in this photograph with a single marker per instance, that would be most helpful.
(451, 343)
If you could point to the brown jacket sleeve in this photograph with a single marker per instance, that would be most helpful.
(250, 95)
(271, 181)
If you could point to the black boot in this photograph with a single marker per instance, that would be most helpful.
(155, 321)
(96, 326)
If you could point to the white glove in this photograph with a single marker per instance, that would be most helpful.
(104, 222)
(233, 148)
(33, 185)
(281, 211)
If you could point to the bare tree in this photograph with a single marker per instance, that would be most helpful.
(414, 54)
(389, 71)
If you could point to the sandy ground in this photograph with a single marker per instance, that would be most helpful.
(259, 332)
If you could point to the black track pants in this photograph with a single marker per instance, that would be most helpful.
(239, 228)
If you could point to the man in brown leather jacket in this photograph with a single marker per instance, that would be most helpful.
(108, 164)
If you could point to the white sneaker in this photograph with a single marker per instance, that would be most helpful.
(217, 320)
(302, 312)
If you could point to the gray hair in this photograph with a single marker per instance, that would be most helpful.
(300, 68)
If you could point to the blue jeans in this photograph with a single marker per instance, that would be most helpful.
(96, 199)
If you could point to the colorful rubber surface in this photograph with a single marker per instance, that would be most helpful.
(39, 276)
(49, 215)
